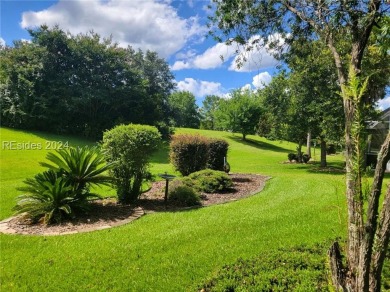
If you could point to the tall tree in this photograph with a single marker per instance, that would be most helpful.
(241, 113)
(20, 103)
(184, 111)
(81, 84)
(209, 106)
(334, 22)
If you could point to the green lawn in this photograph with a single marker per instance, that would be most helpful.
(173, 251)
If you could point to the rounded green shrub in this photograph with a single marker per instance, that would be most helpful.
(130, 147)
(209, 181)
(183, 195)
(292, 156)
(189, 153)
(218, 149)
(305, 158)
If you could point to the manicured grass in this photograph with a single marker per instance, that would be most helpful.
(174, 251)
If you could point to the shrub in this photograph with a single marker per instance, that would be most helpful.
(297, 269)
(130, 148)
(82, 167)
(209, 181)
(218, 149)
(64, 189)
(189, 153)
(305, 158)
(183, 195)
(48, 199)
(165, 130)
(292, 156)
(330, 149)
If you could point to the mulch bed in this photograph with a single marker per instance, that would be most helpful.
(107, 213)
(244, 185)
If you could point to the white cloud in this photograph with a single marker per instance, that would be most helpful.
(211, 58)
(147, 24)
(384, 103)
(261, 80)
(2, 42)
(255, 58)
(200, 88)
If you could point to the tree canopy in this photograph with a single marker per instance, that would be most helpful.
(80, 84)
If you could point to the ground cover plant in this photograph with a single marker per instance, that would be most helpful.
(297, 269)
(174, 251)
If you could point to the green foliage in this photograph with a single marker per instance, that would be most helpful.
(183, 195)
(297, 269)
(209, 107)
(65, 187)
(165, 130)
(209, 181)
(183, 109)
(305, 158)
(130, 147)
(82, 167)
(80, 84)
(292, 156)
(189, 153)
(48, 198)
(218, 149)
(241, 113)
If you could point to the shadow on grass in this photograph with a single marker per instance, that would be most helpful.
(260, 144)
(334, 168)
(162, 154)
(73, 140)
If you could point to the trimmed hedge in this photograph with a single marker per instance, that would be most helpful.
(218, 149)
(191, 153)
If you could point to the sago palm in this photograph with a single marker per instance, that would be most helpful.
(81, 166)
(47, 198)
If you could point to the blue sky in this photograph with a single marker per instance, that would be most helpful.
(176, 29)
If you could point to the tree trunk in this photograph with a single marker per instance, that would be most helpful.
(299, 151)
(336, 267)
(377, 234)
(323, 152)
(382, 237)
(308, 144)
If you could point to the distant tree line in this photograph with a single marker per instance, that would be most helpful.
(81, 84)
